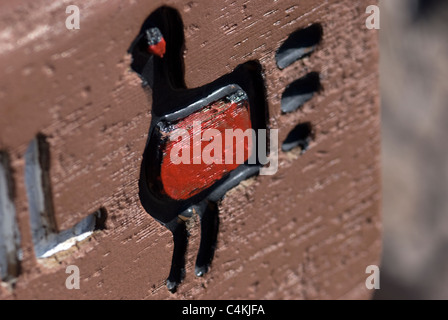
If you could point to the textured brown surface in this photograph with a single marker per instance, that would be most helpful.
(307, 232)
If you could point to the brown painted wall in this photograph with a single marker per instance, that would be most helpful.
(307, 232)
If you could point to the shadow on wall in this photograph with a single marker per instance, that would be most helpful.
(414, 69)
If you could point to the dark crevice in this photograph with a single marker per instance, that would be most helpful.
(45, 164)
(209, 238)
(300, 91)
(100, 219)
(177, 271)
(301, 136)
(10, 254)
(6, 164)
(299, 45)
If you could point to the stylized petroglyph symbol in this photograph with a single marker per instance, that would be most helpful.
(190, 160)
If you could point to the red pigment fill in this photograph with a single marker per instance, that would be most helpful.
(182, 181)
(158, 49)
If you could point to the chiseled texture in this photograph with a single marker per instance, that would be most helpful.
(308, 232)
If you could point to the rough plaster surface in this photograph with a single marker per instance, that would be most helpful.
(307, 232)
